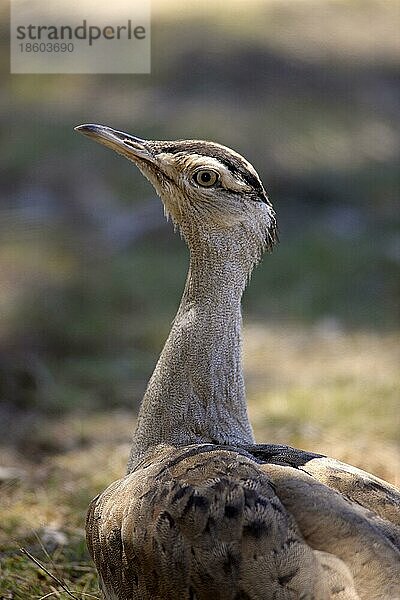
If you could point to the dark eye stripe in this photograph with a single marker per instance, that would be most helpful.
(248, 177)
(233, 163)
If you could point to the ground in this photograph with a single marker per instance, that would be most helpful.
(317, 388)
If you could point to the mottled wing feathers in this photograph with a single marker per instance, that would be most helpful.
(206, 523)
(360, 487)
(352, 533)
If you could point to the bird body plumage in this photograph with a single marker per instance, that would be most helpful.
(204, 513)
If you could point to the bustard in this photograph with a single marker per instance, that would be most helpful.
(205, 513)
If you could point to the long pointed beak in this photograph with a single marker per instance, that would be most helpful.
(133, 148)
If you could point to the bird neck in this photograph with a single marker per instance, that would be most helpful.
(196, 393)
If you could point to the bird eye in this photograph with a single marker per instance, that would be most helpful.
(206, 177)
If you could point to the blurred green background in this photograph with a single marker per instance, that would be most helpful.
(91, 274)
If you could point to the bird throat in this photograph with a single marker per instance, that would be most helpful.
(196, 393)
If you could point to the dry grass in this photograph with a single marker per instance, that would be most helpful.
(319, 389)
(327, 391)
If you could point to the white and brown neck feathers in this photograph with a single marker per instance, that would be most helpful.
(196, 393)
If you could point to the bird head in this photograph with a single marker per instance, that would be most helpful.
(211, 192)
